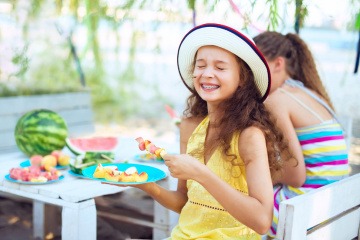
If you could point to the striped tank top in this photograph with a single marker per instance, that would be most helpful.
(325, 154)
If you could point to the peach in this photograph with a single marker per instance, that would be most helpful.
(48, 167)
(49, 160)
(124, 177)
(142, 177)
(36, 160)
(99, 171)
(56, 154)
(114, 177)
(63, 160)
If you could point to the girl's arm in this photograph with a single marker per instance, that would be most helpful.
(173, 200)
(294, 171)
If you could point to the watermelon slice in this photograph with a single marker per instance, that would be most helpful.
(99, 144)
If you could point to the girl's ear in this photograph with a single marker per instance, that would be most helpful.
(279, 64)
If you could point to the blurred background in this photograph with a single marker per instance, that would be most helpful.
(124, 52)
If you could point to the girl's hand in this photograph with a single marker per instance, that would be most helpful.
(184, 166)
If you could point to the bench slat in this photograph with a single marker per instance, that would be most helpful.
(350, 224)
(71, 116)
(305, 211)
(16, 105)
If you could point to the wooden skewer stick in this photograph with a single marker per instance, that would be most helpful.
(108, 158)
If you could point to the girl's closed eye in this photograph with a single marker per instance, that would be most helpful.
(221, 65)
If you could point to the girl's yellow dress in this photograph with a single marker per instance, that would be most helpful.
(203, 217)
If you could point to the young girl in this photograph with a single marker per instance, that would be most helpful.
(305, 114)
(228, 142)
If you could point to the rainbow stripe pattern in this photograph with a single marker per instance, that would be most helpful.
(326, 160)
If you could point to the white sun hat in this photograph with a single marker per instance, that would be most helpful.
(227, 38)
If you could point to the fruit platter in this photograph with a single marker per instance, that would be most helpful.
(124, 173)
(33, 175)
(40, 169)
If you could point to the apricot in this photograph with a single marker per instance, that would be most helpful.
(63, 160)
(49, 160)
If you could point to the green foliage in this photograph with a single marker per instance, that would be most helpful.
(300, 14)
(273, 14)
(52, 71)
(21, 59)
(357, 22)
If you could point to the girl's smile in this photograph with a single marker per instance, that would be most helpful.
(209, 87)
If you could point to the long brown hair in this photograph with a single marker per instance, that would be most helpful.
(239, 112)
(300, 64)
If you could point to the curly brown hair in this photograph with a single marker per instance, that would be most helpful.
(242, 110)
(300, 64)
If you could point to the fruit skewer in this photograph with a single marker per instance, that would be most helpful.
(150, 147)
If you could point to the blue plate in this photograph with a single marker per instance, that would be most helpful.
(28, 164)
(155, 174)
(7, 177)
(75, 174)
(147, 157)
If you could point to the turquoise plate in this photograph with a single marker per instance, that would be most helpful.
(7, 177)
(75, 174)
(28, 164)
(155, 174)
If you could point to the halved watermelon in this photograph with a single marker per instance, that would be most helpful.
(82, 145)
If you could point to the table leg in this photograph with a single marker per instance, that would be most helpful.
(164, 216)
(79, 221)
(38, 219)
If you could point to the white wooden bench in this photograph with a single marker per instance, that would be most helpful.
(331, 212)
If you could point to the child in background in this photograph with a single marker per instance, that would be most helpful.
(306, 116)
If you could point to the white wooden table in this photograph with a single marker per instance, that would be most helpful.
(76, 196)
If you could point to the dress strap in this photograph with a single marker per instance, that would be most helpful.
(302, 104)
(300, 85)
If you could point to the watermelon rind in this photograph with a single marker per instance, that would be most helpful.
(77, 166)
(77, 150)
(89, 159)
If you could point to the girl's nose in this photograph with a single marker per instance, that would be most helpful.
(208, 72)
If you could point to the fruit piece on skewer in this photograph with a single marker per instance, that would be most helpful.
(150, 147)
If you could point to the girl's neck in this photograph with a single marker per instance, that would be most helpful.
(213, 119)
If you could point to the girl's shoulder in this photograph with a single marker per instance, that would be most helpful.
(251, 132)
(275, 102)
(191, 122)
(188, 125)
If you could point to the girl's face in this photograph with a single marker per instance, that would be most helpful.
(216, 74)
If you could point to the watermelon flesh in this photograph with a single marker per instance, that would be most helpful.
(82, 145)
